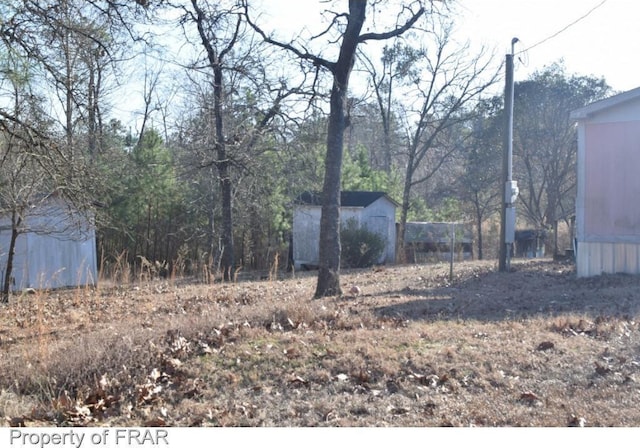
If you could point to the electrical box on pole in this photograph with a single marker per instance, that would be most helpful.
(511, 191)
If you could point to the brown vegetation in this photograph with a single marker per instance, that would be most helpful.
(409, 347)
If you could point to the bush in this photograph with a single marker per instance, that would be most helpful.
(361, 248)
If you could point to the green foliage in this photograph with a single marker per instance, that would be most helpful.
(155, 177)
(145, 180)
(418, 210)
(146, 202)
(358, 175)
(361, 248)
(15, 68)
(448, 210)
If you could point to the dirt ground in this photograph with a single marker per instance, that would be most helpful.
(410, 346)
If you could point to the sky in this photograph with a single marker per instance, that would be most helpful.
(598, 38)
(593, 37)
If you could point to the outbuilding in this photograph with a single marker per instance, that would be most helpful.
(607, 238)
(371, 209)
(55, 247)
(437, 241)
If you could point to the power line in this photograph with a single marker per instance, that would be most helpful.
(565, 28)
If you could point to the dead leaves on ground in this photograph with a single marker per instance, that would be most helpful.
(121, 395)
(282, 356)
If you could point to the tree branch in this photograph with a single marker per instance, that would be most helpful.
(393, 33)
(316, 60)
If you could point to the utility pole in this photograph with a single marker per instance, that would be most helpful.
(510, 187)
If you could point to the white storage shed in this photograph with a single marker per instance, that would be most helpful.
(371, 209)
(56, 248)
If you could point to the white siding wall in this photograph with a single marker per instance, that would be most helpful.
(596, 258)
(59, 262)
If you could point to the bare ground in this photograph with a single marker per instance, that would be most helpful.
(533, 347)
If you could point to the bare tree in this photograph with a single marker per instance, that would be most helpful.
(479, 182)
(351, 24)
(238, 100)
(28, 166)
(219, 30)
(75, 46)
(545, 146)
(23, 188)
(397, 65)
(444, 83)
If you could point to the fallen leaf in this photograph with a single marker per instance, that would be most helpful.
(397, 410)
(155, 374)
(577, 422)
(546, 345)
(156, 422)
(16, 422)
(602, 370)
(530, 399)
(298, 380)
(392, 387)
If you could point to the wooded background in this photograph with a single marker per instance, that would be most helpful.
(232, 119)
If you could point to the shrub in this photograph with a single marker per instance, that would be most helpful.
(360, 247)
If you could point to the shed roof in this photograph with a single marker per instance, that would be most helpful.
(347, 198)
(598, 106)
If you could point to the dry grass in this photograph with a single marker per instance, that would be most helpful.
(533, 347)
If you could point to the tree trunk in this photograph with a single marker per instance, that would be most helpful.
(6, 287)
(227, 256)
(329, 251)
(479, 225)
(404, 209)
(91, 111)
(551, 221)
(211, 225)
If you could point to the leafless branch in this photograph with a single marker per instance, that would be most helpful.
(336, 16)
(316, 60)
(395, 32)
